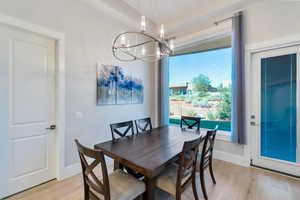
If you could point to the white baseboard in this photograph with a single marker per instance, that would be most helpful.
(70, 170)
(232, 158)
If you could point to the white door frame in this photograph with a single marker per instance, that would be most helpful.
(250, 50)
(60, 83)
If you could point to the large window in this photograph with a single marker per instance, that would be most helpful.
(200, 85)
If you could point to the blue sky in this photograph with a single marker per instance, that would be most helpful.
(215, 64)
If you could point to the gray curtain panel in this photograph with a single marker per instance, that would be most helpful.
(163, 92)
(238, 81)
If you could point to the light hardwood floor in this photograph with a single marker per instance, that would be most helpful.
(233, 183)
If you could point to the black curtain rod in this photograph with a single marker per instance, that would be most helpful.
(228, 18)
(222, 20)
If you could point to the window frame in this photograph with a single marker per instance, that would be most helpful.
(208, 35)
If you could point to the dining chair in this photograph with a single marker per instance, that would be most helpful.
(143, 125)
(116, 129)
(190, 122)
(115, 186)
(176, 178)
(206, 158)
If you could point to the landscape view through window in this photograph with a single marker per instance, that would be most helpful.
(200, 85)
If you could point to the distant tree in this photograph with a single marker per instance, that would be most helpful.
(201, 83)
(202, 94)
(224, 108)
(211, 116)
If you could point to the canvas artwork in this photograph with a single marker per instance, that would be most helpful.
(137, 91)
(114, 86)
(124, 87)
(106, 85)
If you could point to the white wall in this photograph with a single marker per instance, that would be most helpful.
(89, 34)
(271, 19)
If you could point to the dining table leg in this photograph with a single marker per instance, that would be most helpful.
(117, 165)
(150, 189)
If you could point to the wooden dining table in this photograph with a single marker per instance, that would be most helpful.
(149, 153)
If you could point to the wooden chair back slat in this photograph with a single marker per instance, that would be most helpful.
(190, 122)
(146, 122)
(206, 158)
(115, 129)
(92, 184)
(208, 145)
(187, 166)
(186, 183)
(206, 164)
(129, 129)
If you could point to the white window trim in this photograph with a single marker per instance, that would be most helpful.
(224, 135)
(213, 33)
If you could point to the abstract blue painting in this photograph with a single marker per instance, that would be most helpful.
(137, 91)
(114, 86)
(106, 84)
(124, 87)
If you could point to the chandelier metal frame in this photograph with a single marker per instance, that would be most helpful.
(163, 45)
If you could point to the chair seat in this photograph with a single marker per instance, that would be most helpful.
(124, 186)
(167, 180)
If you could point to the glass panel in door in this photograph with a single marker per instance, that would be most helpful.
(278, 107)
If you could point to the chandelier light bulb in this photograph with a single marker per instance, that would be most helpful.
(143, 24)
(143, 51)
(171, 44)
(123, 40)
(162, 32)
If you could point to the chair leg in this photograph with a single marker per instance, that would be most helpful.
(86, 192)
(211, 172)
(202, 180)
(178, 195)
(117, 165)
(194, 187)
(140, 197)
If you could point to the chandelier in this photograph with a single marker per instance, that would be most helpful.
(140, 45)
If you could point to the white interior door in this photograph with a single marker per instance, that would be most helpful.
(275, 110)
(27, 89)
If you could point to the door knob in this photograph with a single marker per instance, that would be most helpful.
(51, 127)
(254, 124)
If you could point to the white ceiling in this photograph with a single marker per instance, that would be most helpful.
(175, 12)
(180, 17)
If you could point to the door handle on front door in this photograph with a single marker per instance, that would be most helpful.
(51, 127)
(254, 124)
